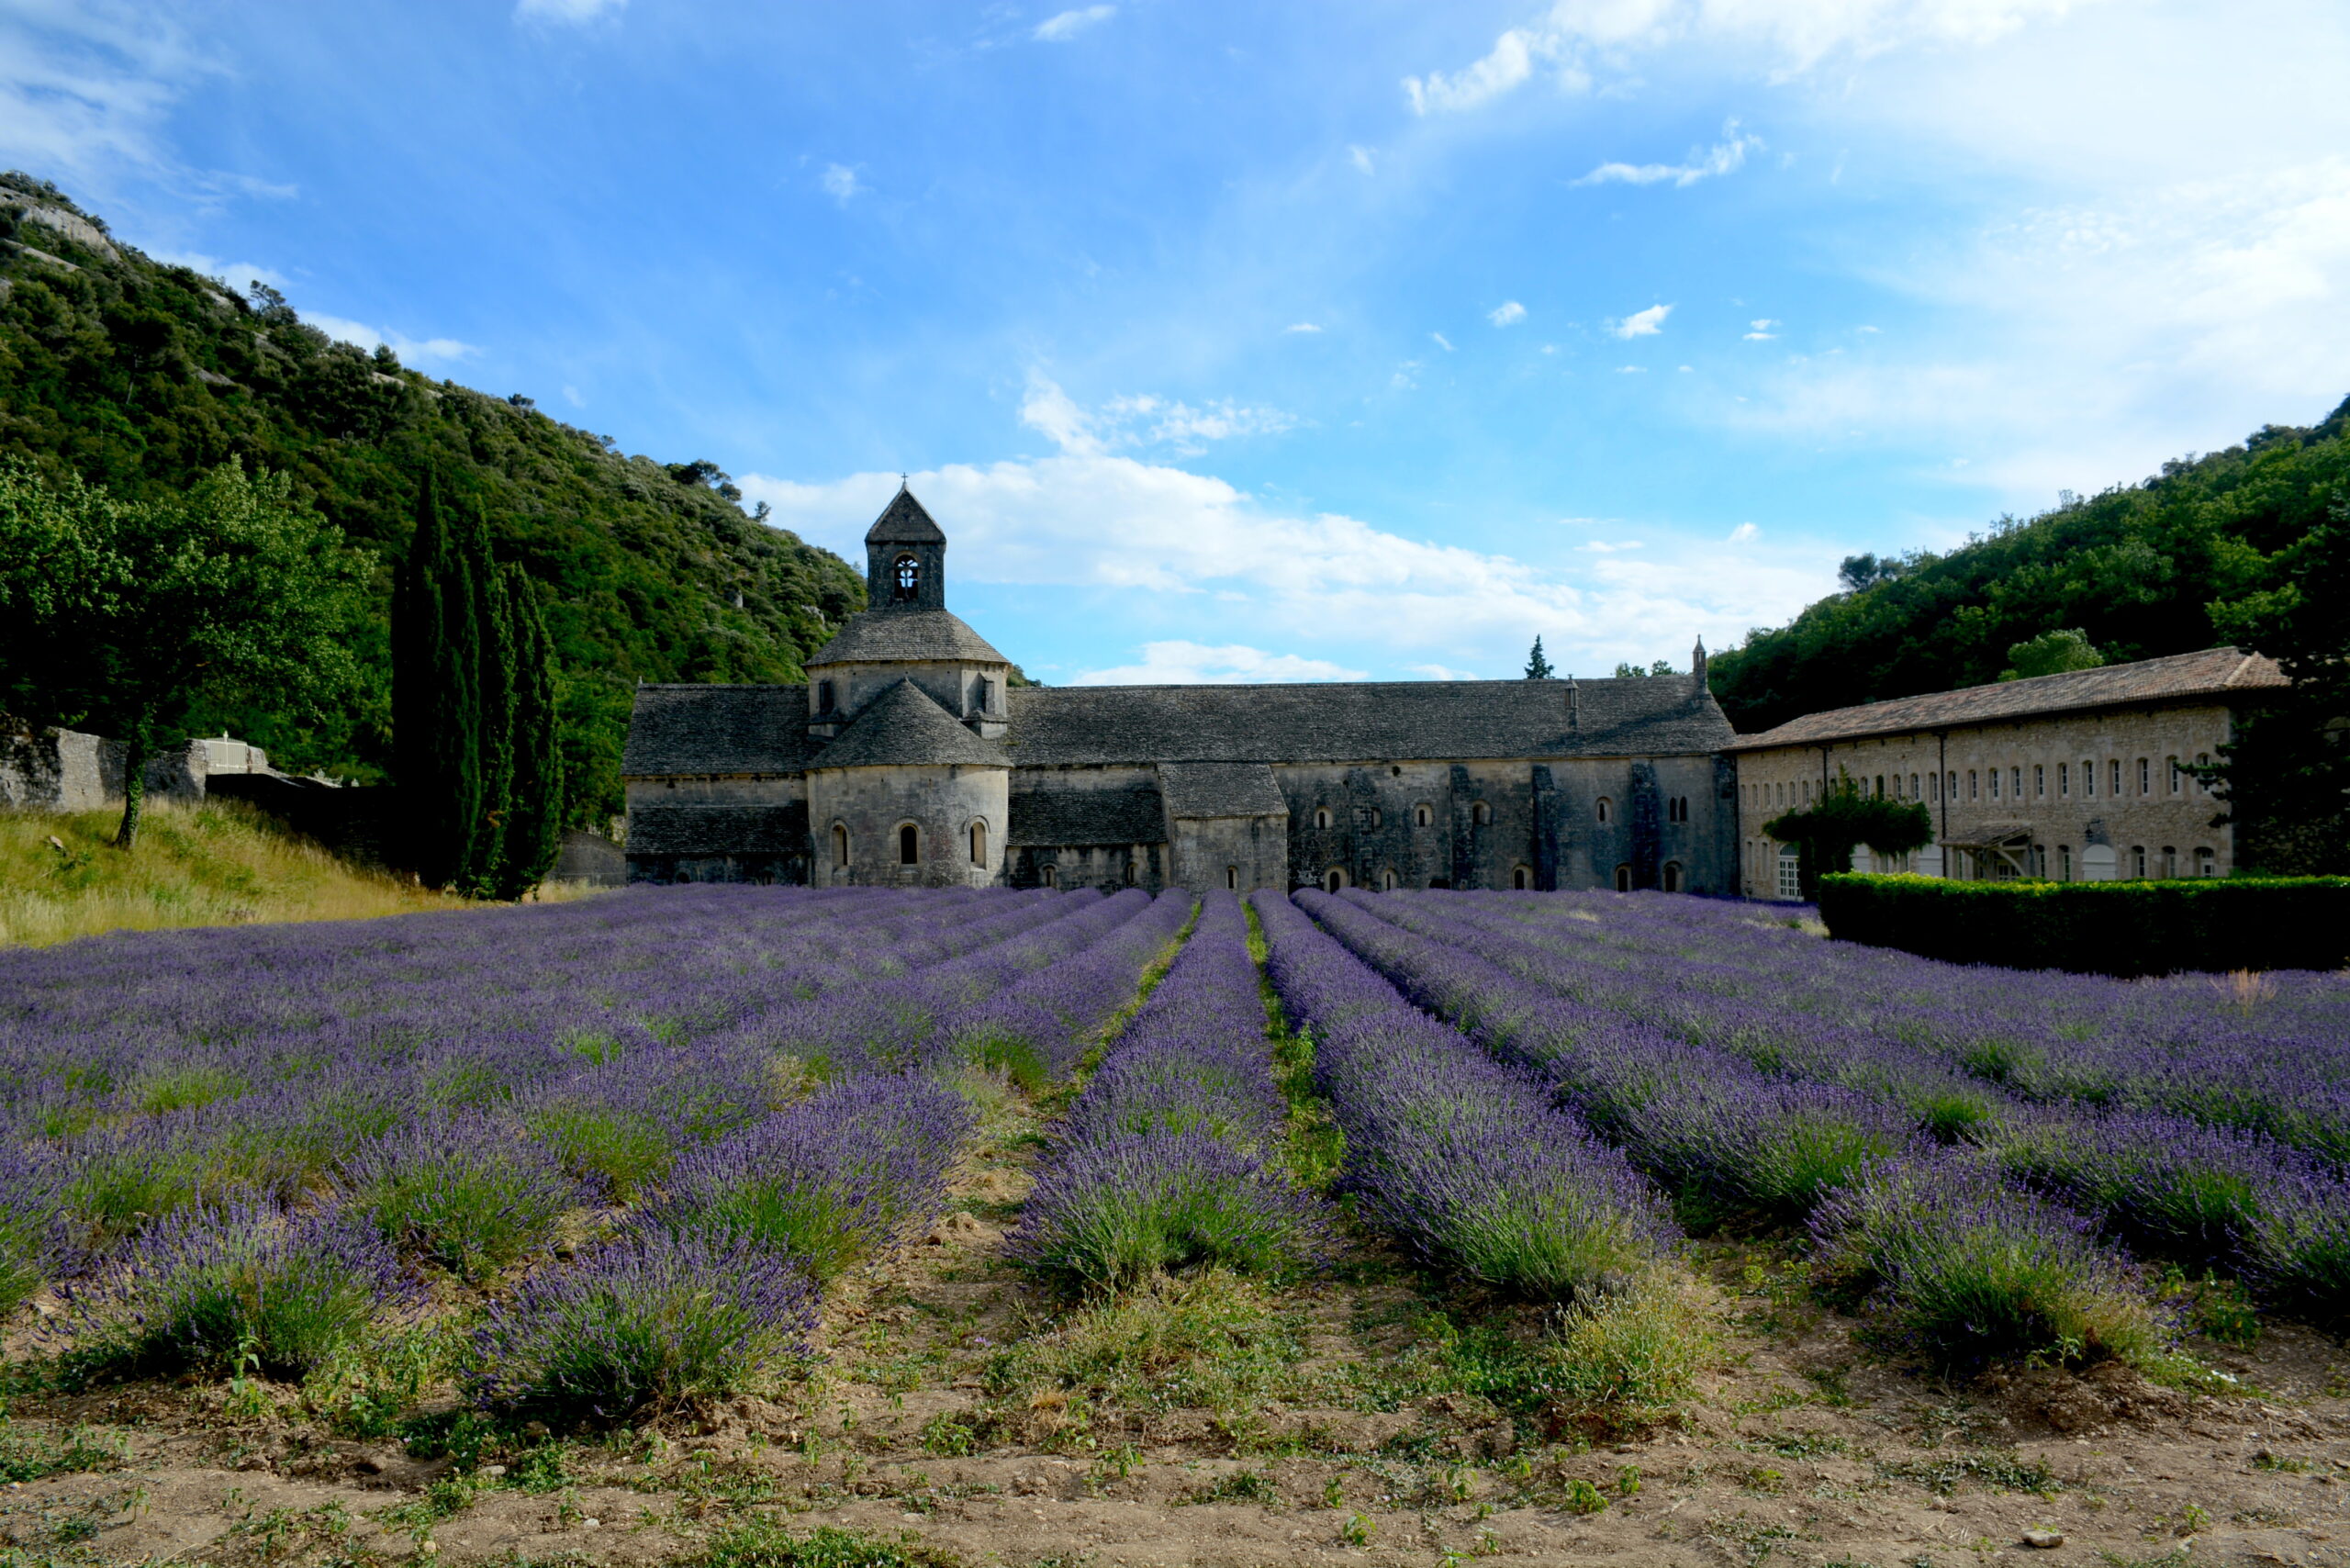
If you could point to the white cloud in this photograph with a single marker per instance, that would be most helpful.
(1175, 663)
(1745, 532)
(1510, 63)
(410, 350)
(1301, 327)
(1060, 29)
(86, 87)
(1645, 323)
(1761, 332)
(1137, 421)
(575, 12)
(571, 396)
(1444, 672)
(1609, 547)
(239, 277)
(1361, 157)
(1508, 314)
(840, 182)
(1725, 157)
(1441, 342)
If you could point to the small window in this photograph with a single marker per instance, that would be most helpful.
(1520, 879)
(908, 578)
(840, 845)
(2064, 862)
(1913, 787)
(1953, 786)
(1133, 871)
(1623, 879)
(1232, 878)
(1480, 813)
(824, 697)
(2174, 774)
(979, 843)
(1422, 816)
(979, 695)
(2113, 777)
(1050, 876)
(1322, 819)
(1971, 789)
(1673, 874)
(1370, 817)
(1995, 783)
(1607, 810)
(2206, 863)
(2088, 779)
(2064, 780)
(1333, 880)
(2138, 861)
(2145, 777)
(1790, 873)
(1387, 881)
(2203, 759)
(2170, 863)
(2039, 781)
(909, 846)
(1880, 786)
(2015, 783)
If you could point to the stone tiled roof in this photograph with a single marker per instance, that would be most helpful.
(1073, 817)
(2215, 673)
(879, 635)
(1361, 721)
(702, 829)
(902, 727)
(904, 521)
(718, 729)
(1220, 790)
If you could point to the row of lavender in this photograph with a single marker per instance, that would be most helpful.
(744, 1195)
(2269, 1053)
(1940, 1195)
(1164, 1158)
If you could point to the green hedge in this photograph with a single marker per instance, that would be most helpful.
(2113, 928)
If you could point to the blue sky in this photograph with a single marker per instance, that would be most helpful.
(1286, 343)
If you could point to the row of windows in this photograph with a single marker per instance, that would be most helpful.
(2097, 863)
(1521, 878)
(982, 695)
(910, 843)
(1676, 810)
(2006, 783)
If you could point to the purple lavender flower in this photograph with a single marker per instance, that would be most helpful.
(647, 1320)
(1113, 1211)
(470, 1193)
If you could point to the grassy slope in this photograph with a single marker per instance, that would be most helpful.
(208, 864)
(139, 376)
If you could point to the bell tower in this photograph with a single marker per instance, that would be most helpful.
(905, 558)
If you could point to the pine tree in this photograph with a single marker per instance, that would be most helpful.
(1537, 666)
(534, 816)
(436, 708)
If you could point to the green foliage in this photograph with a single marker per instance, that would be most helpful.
(142, 378)
(2141, 570)
(2051, 653)
(1537, 667)
(761, 1542)
(1826, 834)
(2115, 928)
(122, 616)
(1627, 671)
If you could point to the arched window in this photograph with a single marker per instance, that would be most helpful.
(1913, 787)
(1672, 876)
(1333, 880)
(978, 842)
(1972, 783)
(2206, 863)
(2138, 861)
(1371, 817)
(2113, 777)
(1422, 816)
(1623, 879)
(1606, 809)
(1520, 879)
(1480, 813)
(840, 845)
(2203, 782)
(1387, 881)
(2174, 774)
(1322, 819)
(824, 697)
(1995, 783)
(2039, 781)
(2170, 862)
(1050, 875)
(907, 578)
(909, 846)
(1232, 878)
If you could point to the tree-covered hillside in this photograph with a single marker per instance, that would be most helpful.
(2137, 569)
(140, 376)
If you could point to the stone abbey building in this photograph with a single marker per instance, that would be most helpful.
(909, 759)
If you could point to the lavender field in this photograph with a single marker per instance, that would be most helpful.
(561, 1174)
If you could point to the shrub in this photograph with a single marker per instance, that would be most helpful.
(1625, 1359)
(1114, 1210)
(1967, 1269)
(468, 1193)
(206, 1287)
(2114, 928)
(33, 1241)
(646, 1319)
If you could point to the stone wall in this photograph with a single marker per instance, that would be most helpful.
(870, 805)
(65, 770)
(1238, 853)
(2097, 792)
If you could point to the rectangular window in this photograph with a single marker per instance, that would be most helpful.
(1995, 783)
(2113, 777)
(1971, 786)
(2138, 861)
(2174, 774)
(2039, 782)
(2065, 861)
(2015, 783)
(2064, 780)
(2145, 782)
(1790, 877)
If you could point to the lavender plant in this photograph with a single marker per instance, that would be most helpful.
(34, 1243)
(471, 1193)
(1112, 1212)
(648, 1319)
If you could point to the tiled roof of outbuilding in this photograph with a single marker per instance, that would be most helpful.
(1354, 722)
(703, 829)
(886, 634)
(2213, 673)
(902, 727)
(1072, 817)
(1220, 790)
(718, 729)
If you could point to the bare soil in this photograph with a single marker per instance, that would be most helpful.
(1323, 1432)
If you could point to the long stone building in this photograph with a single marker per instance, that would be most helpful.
(909, 758)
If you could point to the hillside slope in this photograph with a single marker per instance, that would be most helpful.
(2136, 569)
(139, 375)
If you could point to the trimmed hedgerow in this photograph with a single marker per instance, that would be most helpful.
(2112, 928)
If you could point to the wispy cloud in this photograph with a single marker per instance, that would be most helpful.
(1509, 63)
(574, 12)
(1140, 421)
(1067, 25)
(1744, 533)
(1645, 323)
(840, 182)
(1301, 327)
(1361, 157)
(1440, 340)
(1175, 663)
(1724, 157)
(1761, 331)
(1508, 314)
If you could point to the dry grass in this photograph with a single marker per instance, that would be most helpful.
(218, 864)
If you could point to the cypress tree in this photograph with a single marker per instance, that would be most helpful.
(494, 651)
(436, 723)
(535, 818)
